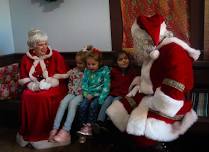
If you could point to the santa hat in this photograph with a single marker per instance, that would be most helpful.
(152, 25)
(155, 27)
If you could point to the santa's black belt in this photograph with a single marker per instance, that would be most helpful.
(176, 117)
(131, 102)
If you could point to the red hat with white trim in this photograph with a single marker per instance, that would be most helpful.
(152, 25)
(155, 28)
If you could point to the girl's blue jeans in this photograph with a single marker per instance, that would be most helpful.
(69, 102)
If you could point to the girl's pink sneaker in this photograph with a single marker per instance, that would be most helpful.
(52, 134)
(63, 137)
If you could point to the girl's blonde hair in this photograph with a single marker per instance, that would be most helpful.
(82, 55)
(95, 54)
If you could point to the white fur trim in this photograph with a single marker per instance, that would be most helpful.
(154, 54)
(118, 115)
(23, 81)
(137, 121)
(139, 124)
(146, 83)
(20, 140)
(42, 57)
(163, 29)
(32, 70)
(45, 144)
(43, 68)
(165, 104)
(189, 119)
(161, 131)
(38, 60)
(192, 52)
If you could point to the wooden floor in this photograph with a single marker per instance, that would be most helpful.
(9, 125)
(8, 144)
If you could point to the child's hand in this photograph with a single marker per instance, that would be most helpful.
(133, 92)
(68, 73)
(135, 82)
(89, 97)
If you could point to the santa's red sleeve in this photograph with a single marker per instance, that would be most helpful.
(24, 71)
(59, 63)
(177, 82)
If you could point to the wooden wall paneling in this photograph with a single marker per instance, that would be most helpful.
(116, 24)
(197, 24)
(201, 74)
(7, 59)
(206, 30)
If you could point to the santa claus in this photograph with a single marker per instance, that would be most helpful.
(159, 111)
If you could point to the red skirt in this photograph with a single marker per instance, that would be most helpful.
(37, 112)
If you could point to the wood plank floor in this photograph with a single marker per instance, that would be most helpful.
(8, 144)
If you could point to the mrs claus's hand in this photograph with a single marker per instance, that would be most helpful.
(33, 86)
(44, 85)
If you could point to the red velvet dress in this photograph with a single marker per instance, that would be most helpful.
(121, 81)
(38, 109)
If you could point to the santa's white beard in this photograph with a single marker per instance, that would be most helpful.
(141, 51)
(138, 56)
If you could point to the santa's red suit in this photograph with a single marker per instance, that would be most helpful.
(38, 108)
(161, 111)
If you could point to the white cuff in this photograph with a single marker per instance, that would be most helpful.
(118, 115)
(165, 104)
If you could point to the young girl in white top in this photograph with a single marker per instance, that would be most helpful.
(70, 101)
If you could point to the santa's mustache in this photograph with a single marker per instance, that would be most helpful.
(141, 52)
(148, 48)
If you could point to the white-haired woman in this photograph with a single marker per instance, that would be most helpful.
(42, 94)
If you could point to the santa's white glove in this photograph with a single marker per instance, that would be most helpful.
(34, 86)
(135, 82)
(133, 92)
(44, 85)
(53, 81)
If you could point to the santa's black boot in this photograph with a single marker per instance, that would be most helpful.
(160, 147)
